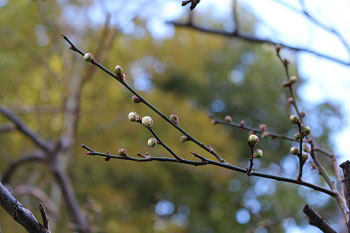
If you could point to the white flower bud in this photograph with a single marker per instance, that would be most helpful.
(147, 121)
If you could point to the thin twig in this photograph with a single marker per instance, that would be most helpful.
(75, 49)
(206, 161)
(44, 217)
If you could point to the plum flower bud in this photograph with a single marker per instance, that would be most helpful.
(133, 116)
(263, 127)
(122, 152)
(278, 48)
(293, 79)
(297, 136)
(184, 138)
(89, 57)
(135, 99)
(214, 122)
(174, 118)
(290, 100)
(118, 70)
(258, 154)
(253, 140)
(294, 150)
(152, 142)
(305, 157)
(302, 114)
(293, 119)
(306, 130)
(286, 62)
(228, 119)
(147, 121)
(265, 134)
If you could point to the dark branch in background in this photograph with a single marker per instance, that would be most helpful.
(44, 217)
(194, 3)
(206, 161)
(36, 156)
(256, 40)
(41, 143)
(316, 220)
(142, 100)
(315, 21)
(19, 213)
(346, 170)
(7, 128)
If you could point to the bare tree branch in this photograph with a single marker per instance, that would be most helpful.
(41, 143)
(256, 40)
(316, 220)
(19, 213)
(346, 170)
(7, 128)
(36, 156)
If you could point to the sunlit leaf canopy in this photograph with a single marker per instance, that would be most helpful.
(179, 71)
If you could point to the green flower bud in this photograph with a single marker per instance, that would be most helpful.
(152, 142)
(89, 57)
(294, 150)
(297, 136)
(133, 116)
(122, 152)
(118, 70)
(293, 79)
(294, 119)
(183, 139)
(147, 121)
(258, 154)
(306, 130)
(253, 140)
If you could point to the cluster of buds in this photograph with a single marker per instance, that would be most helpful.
(89, 57)
(295, 151)
(118, 70)
(174, 118)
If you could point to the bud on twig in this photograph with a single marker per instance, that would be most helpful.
(294, 150)
(133, 116)
(258, 154)
(122, 152)
(89, 57)
(253, 140)
(228, 119)
(213, 122)
(306, 130)
(302, 114)
(290, 100)
(135, 99)
(263, 127)
(152, 142)
(294, 119)
(174, 118)
(147, 121)
(278, 48)
(184, 139)
(304, 157)
(293, 79)
(297, 136)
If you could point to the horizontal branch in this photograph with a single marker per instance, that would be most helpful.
(256, 40)
(316, 220)
(41, 143)
(19, 213)
(205, 161)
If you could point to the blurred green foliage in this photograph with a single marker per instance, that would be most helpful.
(191, 75)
